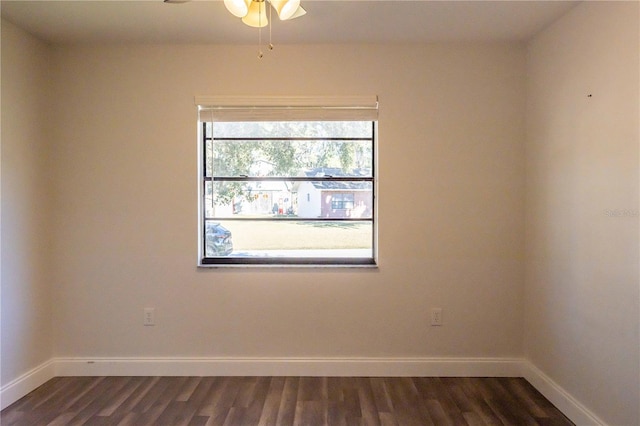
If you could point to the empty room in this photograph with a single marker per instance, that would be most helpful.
(320, 212)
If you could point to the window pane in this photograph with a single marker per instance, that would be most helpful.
(287, 199)
(208, 158)
(307, 129)
(208, 200)
(289, 158)
(217, 239)
(299, 238)
(288, 192)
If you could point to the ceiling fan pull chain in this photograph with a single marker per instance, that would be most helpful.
(260, 54)
(271, 20)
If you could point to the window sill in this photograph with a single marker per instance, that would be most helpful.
(286, 266)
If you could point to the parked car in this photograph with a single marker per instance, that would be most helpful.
(218, 240)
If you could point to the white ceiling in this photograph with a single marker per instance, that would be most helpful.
(336, 21)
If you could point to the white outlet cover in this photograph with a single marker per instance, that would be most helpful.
(149, 316)
(436, 316)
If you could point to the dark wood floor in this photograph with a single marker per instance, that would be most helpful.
(246, 401)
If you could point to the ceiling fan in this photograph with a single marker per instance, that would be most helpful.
(254, 13)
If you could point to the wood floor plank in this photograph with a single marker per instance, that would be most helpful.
(224, 396)
(437, 415)
(177, 413)
(146, 384)
(381, 395)
(128, 419)
(150, 395)
(352, 403)
(334, 389)
(208, 404)
(156, 407)
(470, 386)
(367, 401)
(283, 401)
(336, 414)
(287, 408)
(198, 421)
(92, 402)
(46, 392)
(448, 402)
(245, 392)
(310, 389)
(387, 419)
(129, 389)
(458, 397)
(473, 419)
(269, 415)
(189, 388)
(258, 400)
(310, 412)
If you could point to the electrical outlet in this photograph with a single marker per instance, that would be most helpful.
(149, 316)
(436, 316)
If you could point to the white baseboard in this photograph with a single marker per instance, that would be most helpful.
(24, 384)
(378, 367)
(563, 400)
(363, 367)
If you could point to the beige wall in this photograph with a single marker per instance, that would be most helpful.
(451, 216)
(26, 215)
(582, 189)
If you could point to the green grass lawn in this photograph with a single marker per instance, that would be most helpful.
(275, 235)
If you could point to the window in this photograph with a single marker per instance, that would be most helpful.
(342, 201)
(284, 184)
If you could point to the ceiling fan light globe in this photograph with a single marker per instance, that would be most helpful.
(257, 15)
(285, 8)
(299, 12)
(238, 8)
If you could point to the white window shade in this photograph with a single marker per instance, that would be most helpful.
(238, 108)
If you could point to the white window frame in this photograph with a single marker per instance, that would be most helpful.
(226, 108)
